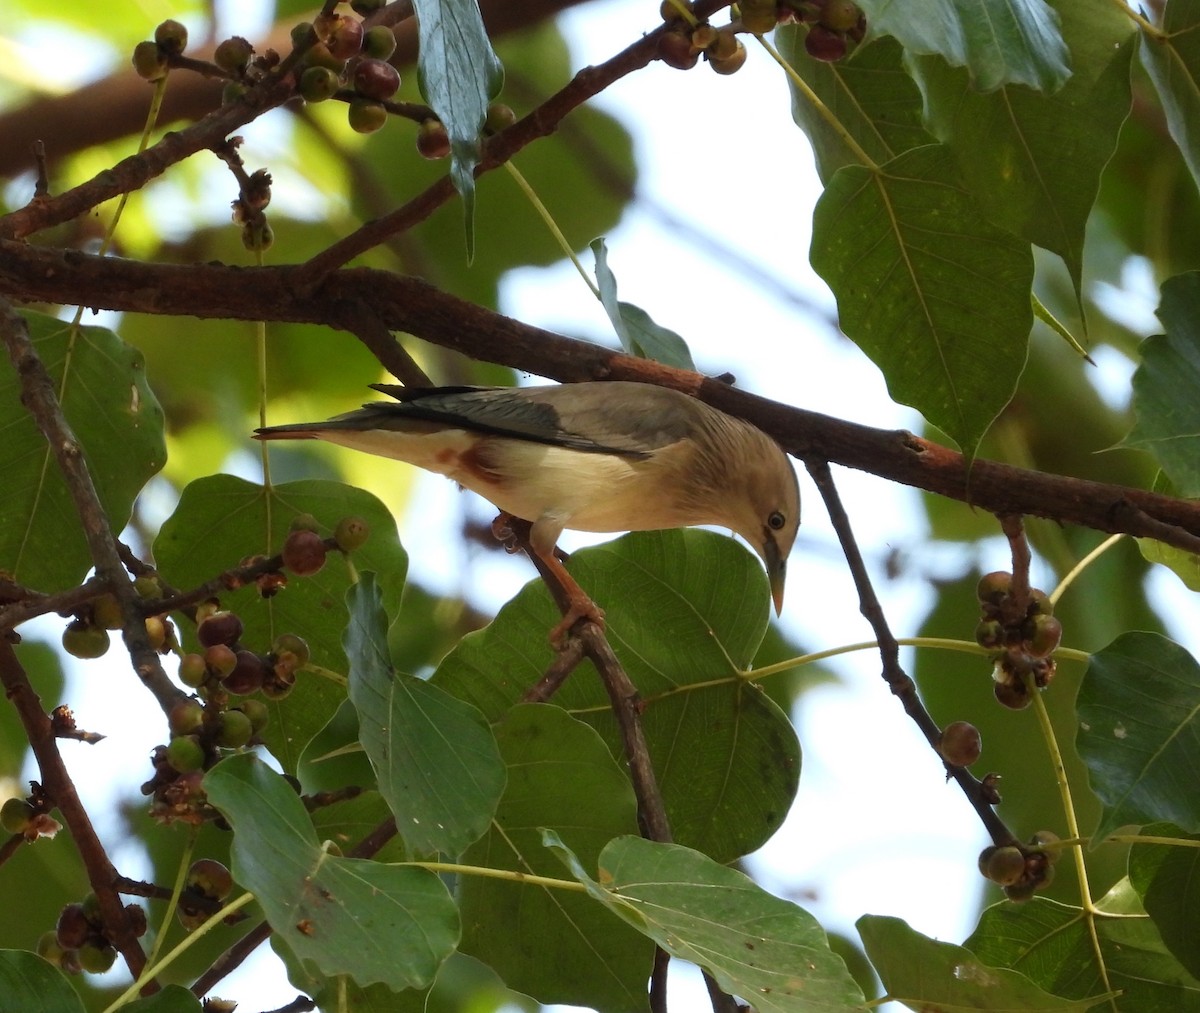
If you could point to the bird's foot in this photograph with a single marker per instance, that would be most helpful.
(580, 609)
(503, 533)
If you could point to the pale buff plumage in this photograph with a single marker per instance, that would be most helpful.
(610, 456)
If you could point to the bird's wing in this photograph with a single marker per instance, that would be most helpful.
(629, 419)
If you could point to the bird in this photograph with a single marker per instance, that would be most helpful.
(595, 456)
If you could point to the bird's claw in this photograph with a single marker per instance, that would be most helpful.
(585, 610)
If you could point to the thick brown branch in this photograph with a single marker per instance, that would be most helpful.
(411, 305)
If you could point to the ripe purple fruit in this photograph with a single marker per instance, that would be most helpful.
(433, 141)
(220, 628)
(822, 44)
(247, 674)
(376, 79)
(960, 744)
(303, 552)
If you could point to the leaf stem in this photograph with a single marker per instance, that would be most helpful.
(512, 875)
(822, 109)
(1082, 565)
(551, 224)
(184, 944)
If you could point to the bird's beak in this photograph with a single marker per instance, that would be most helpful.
(776, 571)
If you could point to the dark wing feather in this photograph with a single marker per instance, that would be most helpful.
(629, 419)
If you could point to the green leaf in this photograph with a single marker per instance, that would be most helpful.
(871, 96)
(937, 296)
(1139, 718)
(172, 999)
(334, 757)
(925, 974)
(32, 985)
(1051, 944)
(435, 757)
(557, 946)
(1167, 878)
(685, 612)
(459, 73)
(639, 334)
(373, 922)
(1011, 43)
(754, 944)
(101, 384)
(349, 820)
(1172, 60)
(1185, 565)
(1033, 160)
(1165, 384)
(1139, 727)
(221, 520)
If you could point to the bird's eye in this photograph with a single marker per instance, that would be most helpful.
(775, 521)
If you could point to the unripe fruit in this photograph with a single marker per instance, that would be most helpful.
(231, 92)
(192, 670)
(379, 42)
(222, 627)
(233, 54)
(366, 116)
(48, 948)
(171, 36)
(704, 36)
(675, 49)
(960, 744)
(993, 587)
(433, 141)
(669, 11)
(82, 640)
(185, 754)
(499, 116)
(1045, 841)
(156, 632)
(257, 712)
(376, 79)
(1042, 634)
(97, 959)
(91, 908)
(137, 919)
(758, 16)
(220, 659)
(106, 612)
(186, 717)
(1039, 603)
(1018, 893)
(234, 729)
(1002, 865)
(247, 674)
(147, 586)
(351, 533)
(15, 815)
(291, 652)
(73, 928)
(989, 633)
(1012, 695)
(726, 45)
(732, 64)
(301, 33)
(822, 44)
(278, 684)
(149, 63)
(840, 15)
(342, 35)
(317, 84)
(303, 553)
(210, 878)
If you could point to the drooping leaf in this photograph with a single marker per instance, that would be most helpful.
(936, 295)
(373, 922)
(1165, 383)
(1139, 726)
(685, 612)
(1172, 60)
(221, 520)
(434, 756)
(872, 97)
(1032, 159)
(27, 982)
(1185, 565)
(924, 973)
(1011, 43)
(754, 944)
(459, 73)
(556, 946)
(101, 385)
(1051, 944)
(1167, 878)
(638, 333)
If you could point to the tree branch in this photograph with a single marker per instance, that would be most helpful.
(416, 307)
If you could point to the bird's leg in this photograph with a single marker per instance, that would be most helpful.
(572, 599)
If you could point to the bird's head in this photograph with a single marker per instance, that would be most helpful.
(747, 483)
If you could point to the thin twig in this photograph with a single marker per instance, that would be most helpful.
(899, 682)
